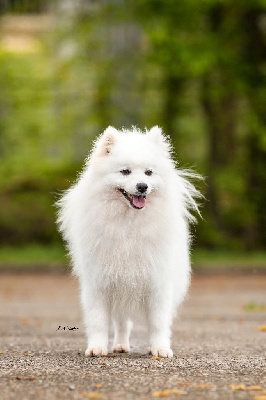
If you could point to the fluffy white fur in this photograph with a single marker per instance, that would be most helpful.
(129, 261)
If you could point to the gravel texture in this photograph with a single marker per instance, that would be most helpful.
(215, 341)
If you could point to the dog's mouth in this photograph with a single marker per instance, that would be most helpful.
(136, 201)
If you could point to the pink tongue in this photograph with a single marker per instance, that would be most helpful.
(139, 201)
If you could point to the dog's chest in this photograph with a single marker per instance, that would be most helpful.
(128, 256)
(127, 242)
(125, 287)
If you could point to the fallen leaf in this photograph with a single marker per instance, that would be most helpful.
(1, 352)
(99, 385)
(91, 395)
(238, 387)
(185, 384)
(25, 378)
(203, 386)
(168, 392)
(25, 354)
(176, 391)
(160, 394)
(260, 397)
(157, 358)
(261, 328)
(246, 388)
(254, 388)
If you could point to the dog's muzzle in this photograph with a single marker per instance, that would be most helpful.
(137, 201)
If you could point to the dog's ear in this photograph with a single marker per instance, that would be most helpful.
(157, 136)
(106, 141)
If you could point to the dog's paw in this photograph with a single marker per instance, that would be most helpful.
(165, 352)
(121, 348)
(95, 351)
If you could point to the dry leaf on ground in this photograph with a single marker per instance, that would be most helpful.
(254, 388)
(238, 387)
(244, 387)
(177, 391)
(261, 328)
(25, 378)
(99, 385)
(168, 392)
(91, 395)
(157, 358)
(260, 397)
(203, 386)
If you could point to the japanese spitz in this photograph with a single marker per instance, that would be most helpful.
(126, 224)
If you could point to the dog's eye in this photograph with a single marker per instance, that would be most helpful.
(148, 172)
(125, 172)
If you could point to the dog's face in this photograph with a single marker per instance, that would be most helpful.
(135, 181)
(132, 165)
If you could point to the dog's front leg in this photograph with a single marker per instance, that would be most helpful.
(159, 315)
(96, 316)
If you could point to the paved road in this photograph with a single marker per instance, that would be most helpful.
(215, 340)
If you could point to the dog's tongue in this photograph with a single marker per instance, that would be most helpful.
(139, 201)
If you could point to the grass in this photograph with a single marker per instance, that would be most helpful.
(33, 257)
(226, 260)
(53, 257)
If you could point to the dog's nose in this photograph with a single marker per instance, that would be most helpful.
(141, 187)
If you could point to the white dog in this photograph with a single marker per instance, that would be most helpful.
(126, 224)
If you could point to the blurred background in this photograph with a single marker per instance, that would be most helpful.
(69, 68)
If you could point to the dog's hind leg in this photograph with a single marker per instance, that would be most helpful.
(122, 330)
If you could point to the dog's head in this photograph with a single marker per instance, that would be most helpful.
(132, 164)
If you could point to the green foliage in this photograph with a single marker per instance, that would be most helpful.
(27, 197)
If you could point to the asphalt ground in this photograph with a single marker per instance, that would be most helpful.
(216, 343)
